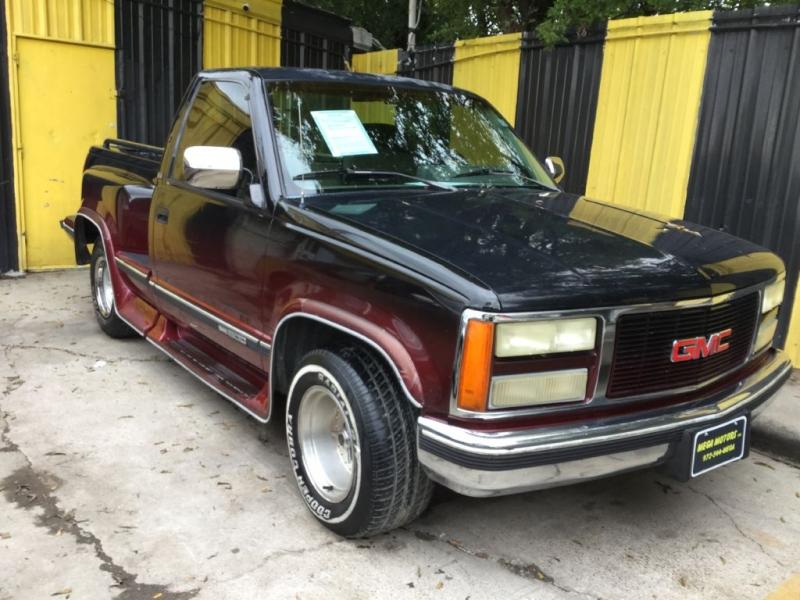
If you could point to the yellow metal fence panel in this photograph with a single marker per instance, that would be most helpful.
(382, 62)
(489, 67)
(84, 21)
(647, 112)
(66, 49)
(57, 129)
(235, 38)
(793, 338)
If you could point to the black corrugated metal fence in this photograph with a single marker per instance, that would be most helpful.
(557, 100)
(159, 50)
(431, 63)
(8, 227)
(745, 175)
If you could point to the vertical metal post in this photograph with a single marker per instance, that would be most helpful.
(412, 26)
(9, 250)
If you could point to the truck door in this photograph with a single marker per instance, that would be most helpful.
(208, 246)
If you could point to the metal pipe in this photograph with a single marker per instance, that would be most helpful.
(412, 25)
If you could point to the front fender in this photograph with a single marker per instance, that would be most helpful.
(393, 337)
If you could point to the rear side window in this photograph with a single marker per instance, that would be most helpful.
(220, 116)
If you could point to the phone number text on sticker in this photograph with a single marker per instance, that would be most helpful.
(719, 445)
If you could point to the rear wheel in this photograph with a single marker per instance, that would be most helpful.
(352, 443)
(103, 296)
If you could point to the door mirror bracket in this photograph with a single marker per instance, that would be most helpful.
(257, 196)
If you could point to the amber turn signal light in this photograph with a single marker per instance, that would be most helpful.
(476, 361)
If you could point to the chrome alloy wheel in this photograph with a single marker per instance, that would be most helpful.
(103, 289)
(328, 444)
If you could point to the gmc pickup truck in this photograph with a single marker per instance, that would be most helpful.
(383, 265)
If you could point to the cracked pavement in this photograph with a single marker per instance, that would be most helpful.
(123, 477)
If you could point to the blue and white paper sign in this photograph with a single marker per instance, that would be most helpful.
(343, 132)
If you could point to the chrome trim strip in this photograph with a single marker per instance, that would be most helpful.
(608, 317)
(355, 334)
(221, 325)
(67, 228)
(483, 484)
(131, 269)
(231, 399)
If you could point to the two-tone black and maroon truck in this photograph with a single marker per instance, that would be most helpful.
(384, 265)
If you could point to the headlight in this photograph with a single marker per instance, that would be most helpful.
(545, 337)
(766, 331)
(532, 389)
(773, 296)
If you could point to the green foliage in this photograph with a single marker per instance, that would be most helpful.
(447, 20)
(385, 19)
(441, 20)
(575, 15)
(460, 19)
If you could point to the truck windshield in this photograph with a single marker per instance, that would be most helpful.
(336, 138)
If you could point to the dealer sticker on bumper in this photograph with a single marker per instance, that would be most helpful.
(719, 445)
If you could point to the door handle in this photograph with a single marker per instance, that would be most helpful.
(162, 216)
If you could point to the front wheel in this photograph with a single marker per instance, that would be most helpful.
(103, 296)
(352, 443)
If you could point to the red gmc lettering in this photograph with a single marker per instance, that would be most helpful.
(700, 347)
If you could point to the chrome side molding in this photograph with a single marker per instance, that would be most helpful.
(221, 325)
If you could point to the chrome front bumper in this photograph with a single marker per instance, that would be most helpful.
(480, 463)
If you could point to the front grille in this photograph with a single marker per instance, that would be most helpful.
(643, 346)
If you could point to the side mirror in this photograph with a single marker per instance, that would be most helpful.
(555, 168)
(212, 167)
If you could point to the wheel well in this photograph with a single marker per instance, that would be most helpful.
(297, 337)
(85, 233)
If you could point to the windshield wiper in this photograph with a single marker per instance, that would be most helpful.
(374, 174)
(484, 171)
(499, 171)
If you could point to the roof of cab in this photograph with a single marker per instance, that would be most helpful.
(333, 76)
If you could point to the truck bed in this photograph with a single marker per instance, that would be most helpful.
(128, 171)
(141, 160)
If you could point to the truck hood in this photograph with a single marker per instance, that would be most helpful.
(545, 250)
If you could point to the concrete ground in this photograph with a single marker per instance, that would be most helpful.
(123, 477)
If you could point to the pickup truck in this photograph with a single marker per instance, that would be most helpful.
(382, 264)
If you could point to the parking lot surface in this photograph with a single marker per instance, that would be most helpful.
(121, 476)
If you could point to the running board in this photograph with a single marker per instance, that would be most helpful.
(238, 383)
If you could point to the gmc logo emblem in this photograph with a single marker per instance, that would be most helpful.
(700, 347)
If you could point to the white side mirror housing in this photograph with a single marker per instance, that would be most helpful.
(212, 167)
(555, 168)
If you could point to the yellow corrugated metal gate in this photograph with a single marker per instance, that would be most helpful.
(62, 97)
(647, 111)
(382, 62)
(489, 67)
(234, 37)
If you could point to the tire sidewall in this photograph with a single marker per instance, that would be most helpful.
(97, 253)
(346, 516)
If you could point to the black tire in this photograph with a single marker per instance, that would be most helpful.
(392, 488)
(110, 323)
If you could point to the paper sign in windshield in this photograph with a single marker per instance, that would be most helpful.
(343, 132)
